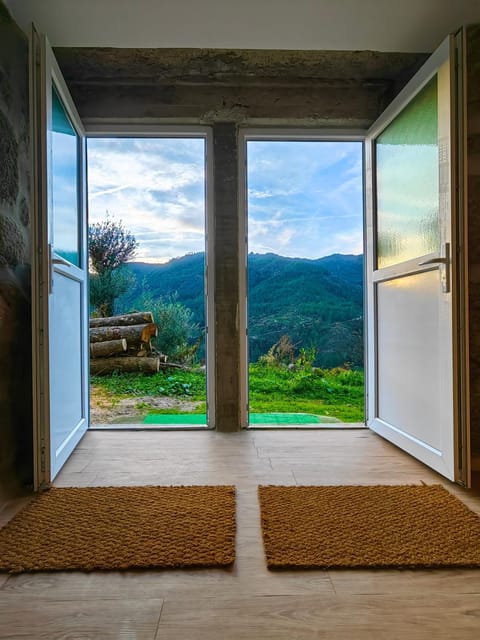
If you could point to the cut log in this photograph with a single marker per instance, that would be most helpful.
(134, 348)
(125, 320)
(133, 334)
(105, 349)
(172, 365)
(125, 364)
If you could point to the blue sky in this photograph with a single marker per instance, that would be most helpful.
(304, 198)
(155, 187)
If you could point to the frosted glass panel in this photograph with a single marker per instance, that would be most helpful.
(407, 182)
(409, 374)
(66, 385)
(64, 196)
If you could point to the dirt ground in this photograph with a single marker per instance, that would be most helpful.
(108, 409)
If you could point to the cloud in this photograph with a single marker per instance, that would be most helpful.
(270, 193)
(156, 187)
(305, 199)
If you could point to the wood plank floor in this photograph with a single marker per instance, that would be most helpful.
(247, 602)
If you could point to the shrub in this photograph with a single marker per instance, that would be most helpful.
(179, 336)
(281, 353)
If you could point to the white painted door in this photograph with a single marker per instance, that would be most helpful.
(412, 270)
(62, 356)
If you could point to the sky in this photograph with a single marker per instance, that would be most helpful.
(304, 198)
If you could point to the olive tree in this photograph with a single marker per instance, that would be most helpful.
(110, 246)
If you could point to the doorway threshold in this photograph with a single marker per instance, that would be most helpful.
(140, 426)
(339, 426)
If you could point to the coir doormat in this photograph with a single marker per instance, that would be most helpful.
(122, 528)
(325, 527)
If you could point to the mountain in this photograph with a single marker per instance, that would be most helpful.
(318, 303)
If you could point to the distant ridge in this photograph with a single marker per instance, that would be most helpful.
(316, 302)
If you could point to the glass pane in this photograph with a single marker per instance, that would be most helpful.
(409, 366)
(407, 182)
(64, 197)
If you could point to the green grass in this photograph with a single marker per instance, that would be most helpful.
(336, 392)
(176, 383)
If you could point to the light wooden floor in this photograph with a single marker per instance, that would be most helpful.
(247, 602)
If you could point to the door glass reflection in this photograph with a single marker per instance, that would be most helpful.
(64, 186)
(408, 183)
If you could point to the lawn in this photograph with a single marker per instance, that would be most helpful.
(337, 393)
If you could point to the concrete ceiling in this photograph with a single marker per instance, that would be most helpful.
(379, 25)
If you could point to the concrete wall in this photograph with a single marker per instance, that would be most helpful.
(15, 303)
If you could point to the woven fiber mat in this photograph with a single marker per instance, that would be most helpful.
(327, 527)
(122, 528)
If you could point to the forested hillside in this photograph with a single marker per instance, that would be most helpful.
(317, 303)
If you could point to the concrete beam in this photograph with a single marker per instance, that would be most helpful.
(237, 66)
(313, 88)
(328, 106)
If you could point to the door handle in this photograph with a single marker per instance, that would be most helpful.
(61, 261)
(434, 261)
(443, 260)
(51, 262)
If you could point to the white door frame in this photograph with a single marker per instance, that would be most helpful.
(44, 74)
(153, 130)
(458, 276)
(458, 449)
(296, 134)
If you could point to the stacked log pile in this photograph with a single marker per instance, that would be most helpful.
(124, 343)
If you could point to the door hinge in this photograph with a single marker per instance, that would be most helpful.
(42, 455)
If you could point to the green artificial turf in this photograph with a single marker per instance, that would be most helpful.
(255, 418)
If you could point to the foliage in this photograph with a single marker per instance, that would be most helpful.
(180, 383)
(306, 357)
(335, 392)
(110, 246)
(105, 287)
(281, 353)
(318, 303)
(179, 336)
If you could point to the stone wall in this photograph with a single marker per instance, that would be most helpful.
(472, 54)
(15, 301)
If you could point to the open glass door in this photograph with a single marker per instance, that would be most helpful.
(60, 272)
(412, 268)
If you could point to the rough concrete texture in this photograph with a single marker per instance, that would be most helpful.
(227, 336)
(230, 65)
(15, 301)
(313, 88)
